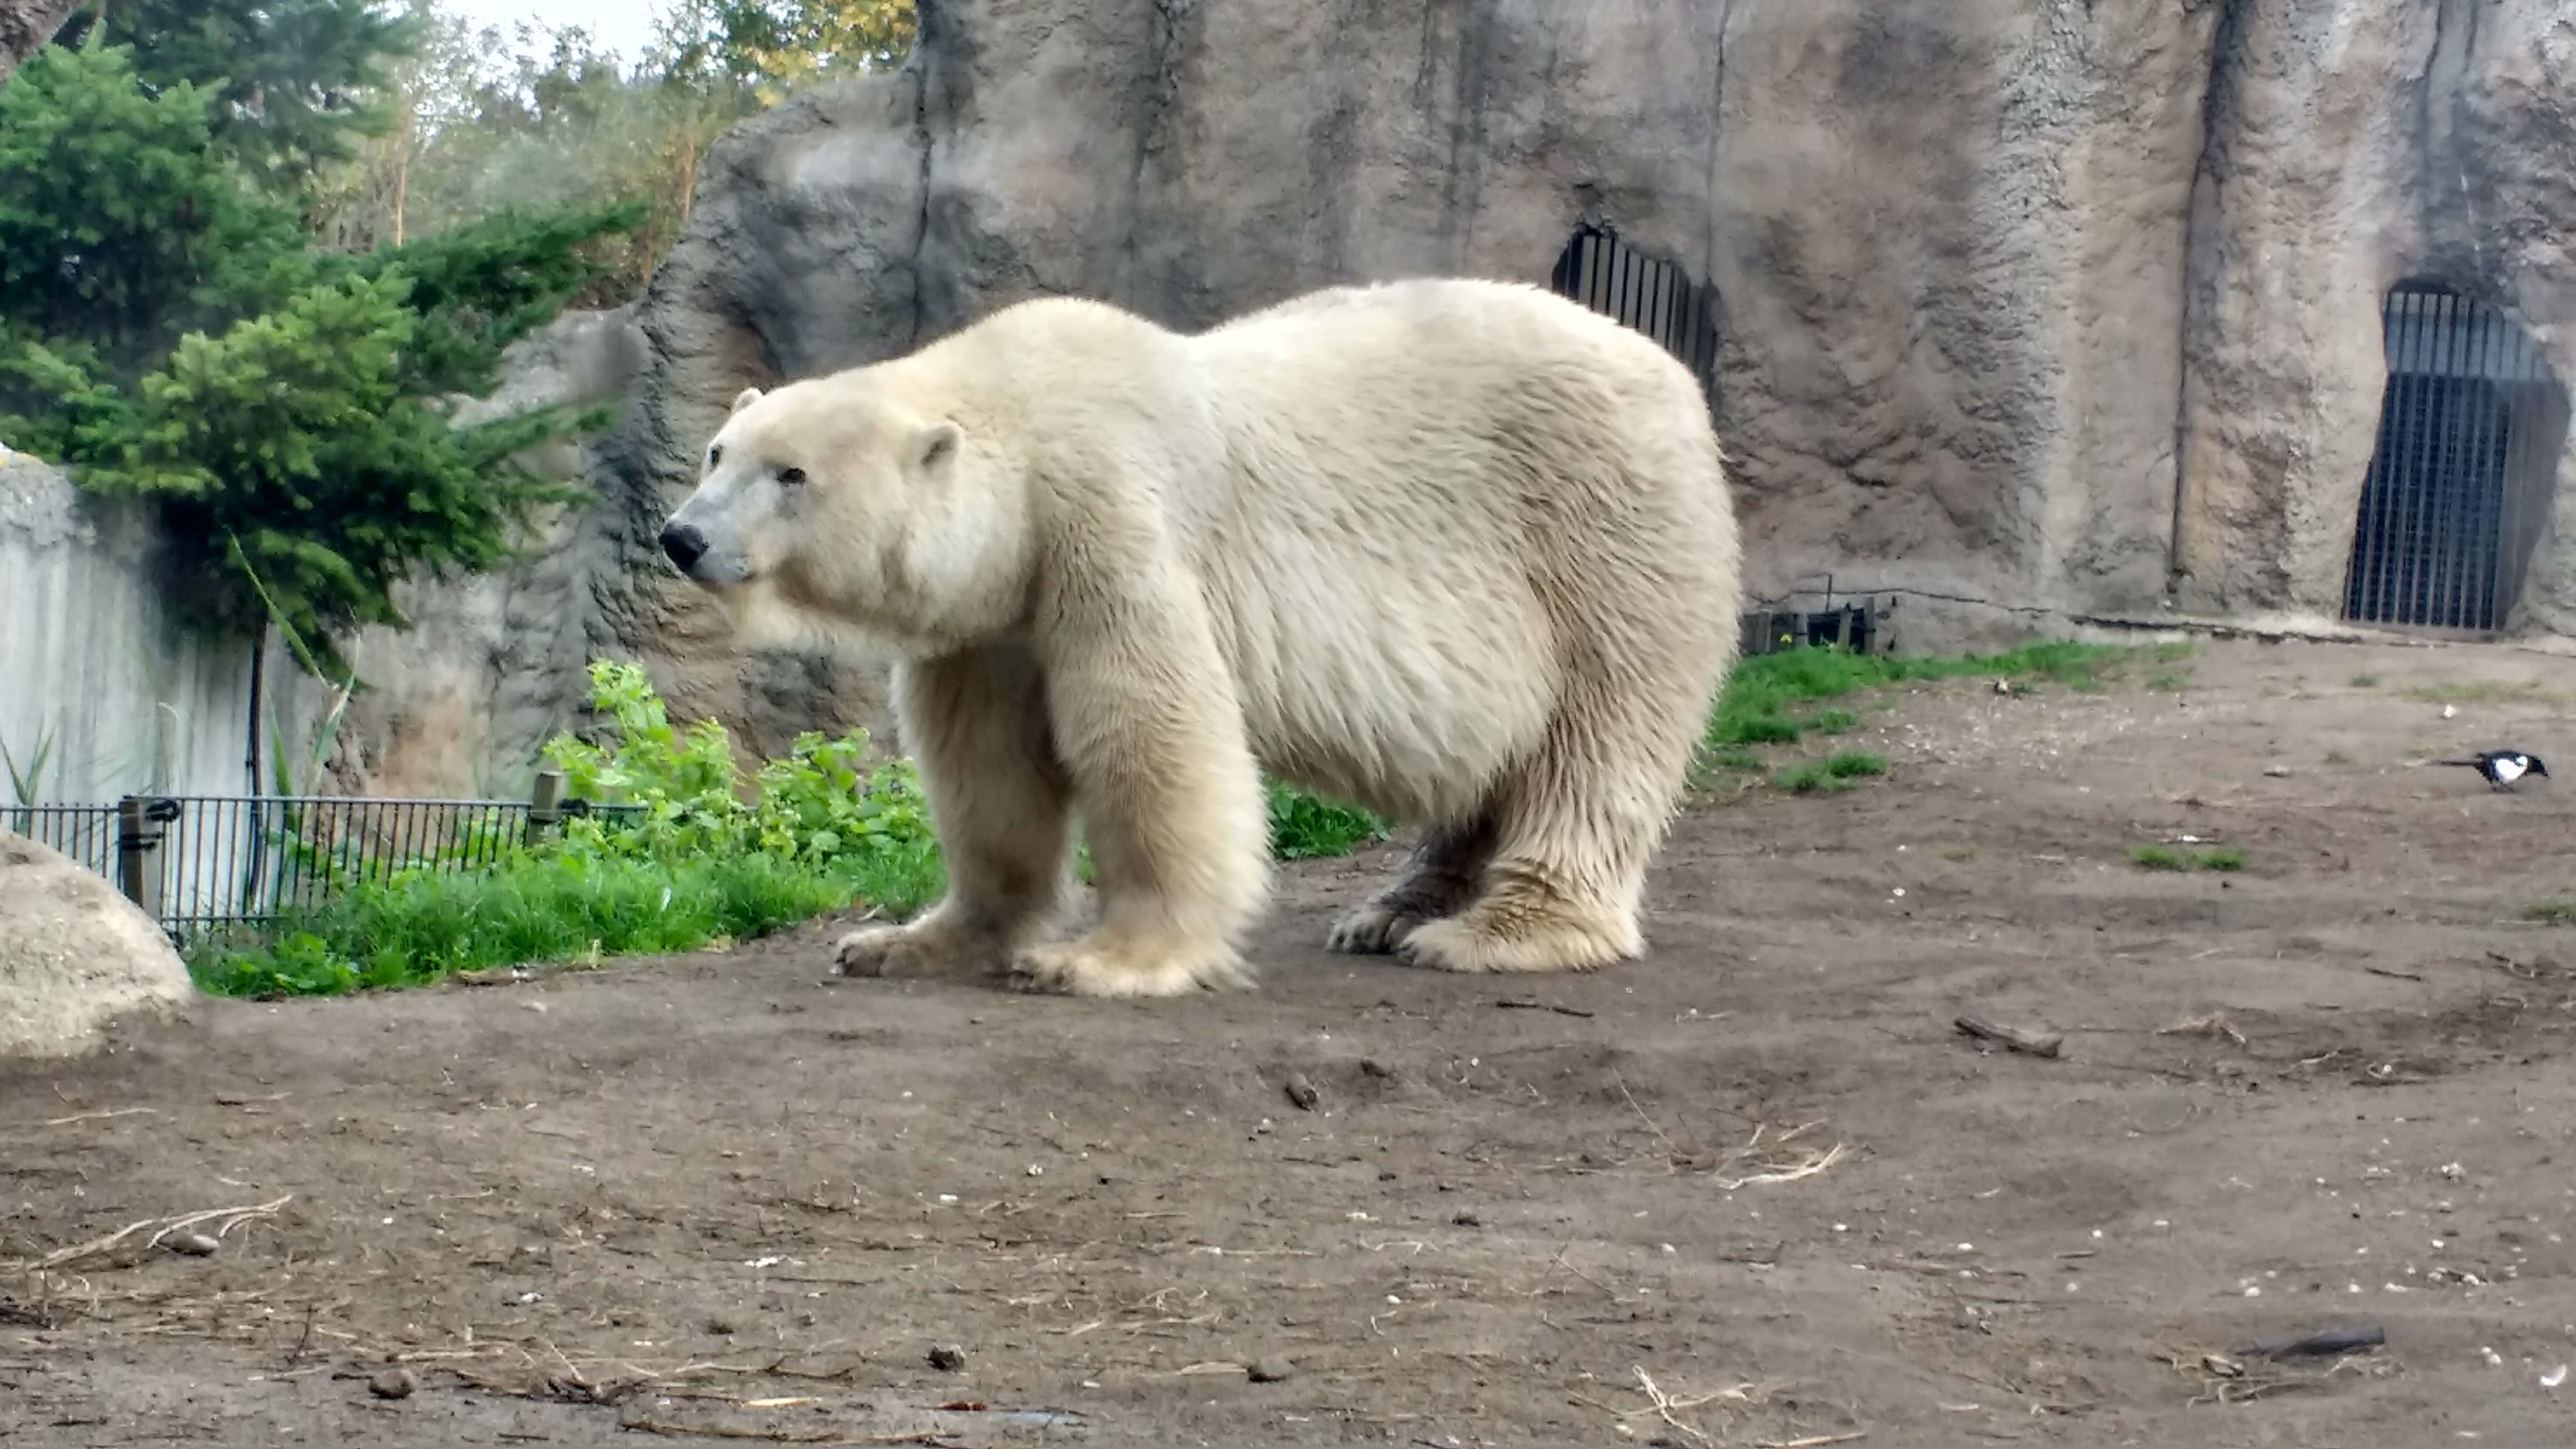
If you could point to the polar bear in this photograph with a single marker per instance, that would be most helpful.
(1459, 551)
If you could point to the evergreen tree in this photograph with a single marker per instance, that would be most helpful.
(166, 333)
(297, 84)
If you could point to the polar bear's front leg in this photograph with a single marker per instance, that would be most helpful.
(1147, 723)
(976, 725)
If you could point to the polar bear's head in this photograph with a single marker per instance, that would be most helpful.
(830, 509)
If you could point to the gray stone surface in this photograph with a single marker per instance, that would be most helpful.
(75, 956)
(1987, 268)
(2037, 308)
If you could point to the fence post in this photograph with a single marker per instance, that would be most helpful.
(546, 806)
(138, 854)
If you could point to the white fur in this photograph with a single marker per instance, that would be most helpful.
(1459, 551)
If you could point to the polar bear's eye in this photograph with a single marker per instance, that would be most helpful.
(791, 476)
(715, 455)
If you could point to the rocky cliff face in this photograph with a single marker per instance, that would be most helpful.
(2037, 307)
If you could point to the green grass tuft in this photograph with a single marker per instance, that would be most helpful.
(2485, 691)
(2165, 857)
(1310, 827)
(413, 929)
(1759, 705)
(1836, 772)
(2560, 912)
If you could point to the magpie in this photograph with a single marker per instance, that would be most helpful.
(2502, 767)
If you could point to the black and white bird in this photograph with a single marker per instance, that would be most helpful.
(2503, 767)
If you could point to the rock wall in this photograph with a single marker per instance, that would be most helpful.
(2035, 309)
(2039, 308)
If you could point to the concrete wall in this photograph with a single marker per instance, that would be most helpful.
(94, 658)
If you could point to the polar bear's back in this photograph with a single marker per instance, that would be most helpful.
(1444, 501)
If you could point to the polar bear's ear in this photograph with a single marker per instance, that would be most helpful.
(744, 399)
(934, 448)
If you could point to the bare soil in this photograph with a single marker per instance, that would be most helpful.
(716, 1199)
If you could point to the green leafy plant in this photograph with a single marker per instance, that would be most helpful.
(816, 806)
(27, 785)
(1308, 827)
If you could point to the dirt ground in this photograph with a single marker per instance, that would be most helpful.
(1753, 1190)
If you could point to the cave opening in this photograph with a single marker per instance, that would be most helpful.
(1600, 270)
(2470, 427)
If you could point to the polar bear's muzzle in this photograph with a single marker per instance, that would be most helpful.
(700, 556)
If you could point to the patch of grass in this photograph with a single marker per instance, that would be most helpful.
(2175, 651)
(2165, 857)
(2337, 757)
(2559, 912)
(1309, 827)
(1958, 853)
(2365, 680)
(2486, 691)
(2167, 680)
(1759, 706)
(1832, 721)
(1836, 772)
(412, 929)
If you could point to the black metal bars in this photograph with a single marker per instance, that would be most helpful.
(2460, 480)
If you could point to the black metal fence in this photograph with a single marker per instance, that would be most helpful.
(86, 833)
(2470, 427)
(196, 862)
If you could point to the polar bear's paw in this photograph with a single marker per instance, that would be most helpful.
(1372, 930)
(919, 950)
(1475, 942)
(1089, 967)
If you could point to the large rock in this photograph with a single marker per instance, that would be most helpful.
(75, 956)
(1985, 269)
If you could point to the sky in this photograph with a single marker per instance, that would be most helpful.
(619, 25)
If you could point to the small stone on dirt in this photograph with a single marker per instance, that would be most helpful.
(1271, 1371)
(1301, 1092)
(1467, 1220)
(393, 1383)
(948, 1358)
(195, 1245)
(722, 1326)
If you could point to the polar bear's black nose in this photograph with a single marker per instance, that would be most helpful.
(684, 544)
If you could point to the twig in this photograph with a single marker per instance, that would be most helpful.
(97, 1116)
(1679, 1157)
(1510, 1005)
(1664, 1405)
(161, 1228)
(1809, 1168)
(1811, 1441)
(783, 1436)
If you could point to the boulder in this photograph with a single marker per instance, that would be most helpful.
(75, 956)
